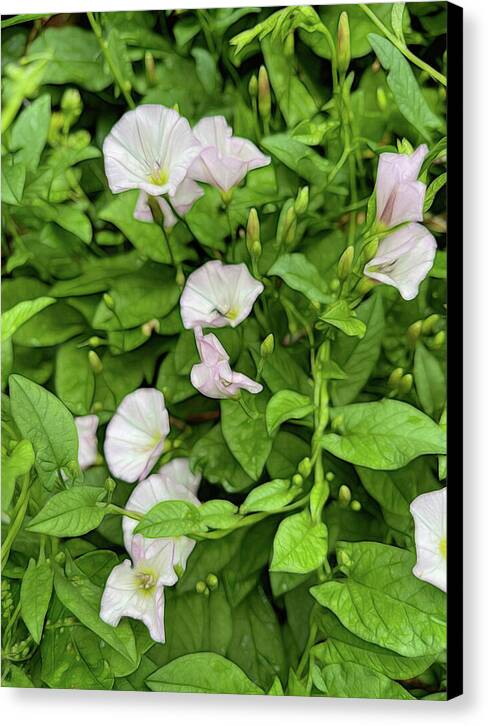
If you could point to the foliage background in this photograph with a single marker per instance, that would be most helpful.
(67, 237)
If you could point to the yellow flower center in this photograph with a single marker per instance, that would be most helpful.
(443, 547)
(231, 314)
(146, 581)
(159, 177)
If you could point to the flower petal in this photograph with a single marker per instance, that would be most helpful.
(87, 440)
(429, 514)
(399, 197)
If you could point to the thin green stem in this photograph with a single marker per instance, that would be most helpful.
(16, 524)
(115, 509)
(123, 86)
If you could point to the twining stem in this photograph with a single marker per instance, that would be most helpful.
(115, 509)
(403, 48)
(16, 524)
(113, 68)
(320, 490)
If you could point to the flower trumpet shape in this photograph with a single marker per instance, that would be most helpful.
(225, 159)
(429, 514)
(403, 259)
(173, 481)
(217, 295)
(135, 436)
(213, 376)
(152, 148)
(399, 195)
(87, 440)
(137, 590)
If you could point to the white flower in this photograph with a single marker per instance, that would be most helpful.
(399, 195)
(87, 440)
(214, 377)
(216, 295)
(225, 159)
(430, 517)
(137, 591)
(403, 259)
(173, 481)
(135, 436)
(152, 148)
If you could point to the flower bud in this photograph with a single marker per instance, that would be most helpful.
(405, 384)
(94, 341)
(335, 284)
(95, 363)
(370, 250)
(150, 326)
(267, 346)
(200, 587)
(405, 147)
(212, 581)
(256, 250)
(297, 480)
(395, 377)
(414, 332)
(337, 424)
(110, 485)
(108, 300)
(343, 558)
(365, 284)
(60, 558)
(355, 505)
(344, 266)
(429, 324)
(381, 98)
(305, 467)
(330, 476)
(344, 495)
(180, 280)
(71, 106)
(301, 201)
(252, 229)
(343, 43)
(150, 68)
(253, 86)
(438, 340)
(264, 94)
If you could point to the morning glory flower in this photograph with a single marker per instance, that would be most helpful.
(87, 440)
(152, 148)
(430, 516)
(225, 159)
(137, 590)
(399, 195)
(135, 435)
(403, 259)
(213, 376)
(173, 481)
(216, 295)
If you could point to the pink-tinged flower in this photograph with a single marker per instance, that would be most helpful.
(430, 516)
(216, 295)
(225, 159)
(186, 194)
(137, 591)
(135, 436)
(399, 195)
(173, 481)
(87, 440)
(403, 259)
(152, 148)
(213, 376)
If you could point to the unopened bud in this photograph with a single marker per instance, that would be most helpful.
(297, 480)
(180, 280)
(256, 250)
(97, 407)
(344, 495)
(343, 558)
(110, 485)
(267, 346)
(94, 341)
(150, 327)
(404, 146)
(405, 384)
(429, 324)
(71, 106)
(305, 467)
(335, 284)
(355, 505)
(60, 558)
(264, 94)
(108, 300)
(252, 229)
(253, 86)
(395, 377)
(338, 424)
(365, 284)
(212, 581)
(343, 43)
(330, 476)
(301, 201)
(200, 587)
(438, 340)
(381, 99)
(150, 68)
(414, 332)
(370, 250)
(95, 363)
(344, 266)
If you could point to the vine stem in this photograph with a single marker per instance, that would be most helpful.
(14, 528)
(320, 490)
(113, 68)
(439, 77)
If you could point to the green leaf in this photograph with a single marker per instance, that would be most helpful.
(340, 315)
(404, 86)
(301, 275)
(352, 680)
(275, 494)
(202, 673)
(247, 437)
(74, 380)
(298, 157)
(171, 519)
(383, 434)
(358, 356)
(70, 513)
(281, 371)
(300, 545)
(35, 594)
(286, 405)
(432, 190)
(213, 458)
(13, 182)
(18, 462)
(29, 132)
(429, 380)
(14, 318)
(47, 423)
(382, 602)
(218, 514)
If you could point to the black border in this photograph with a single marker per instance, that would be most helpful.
(455, 350)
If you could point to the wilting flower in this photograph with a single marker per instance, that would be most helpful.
(213, 376)
(173, 481)
(225, 159)
(430, 517)
(403, 259)
(152, 148)
(186, 194)
(137, 591)
(135, 436)
(399, 195)
(217, 295)
(87, 440)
